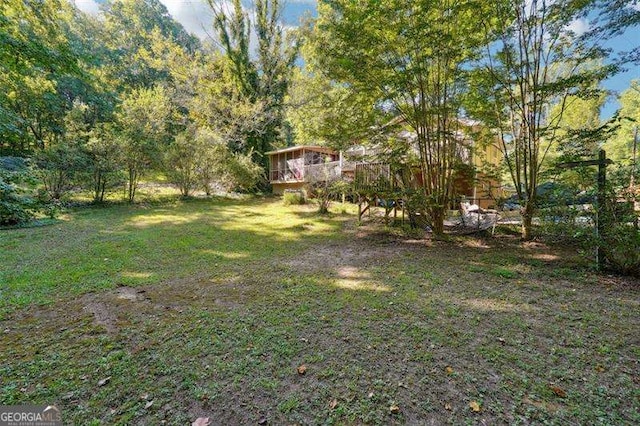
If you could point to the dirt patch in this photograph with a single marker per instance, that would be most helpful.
(102, 315)
(131, 294)
(366, 248)
(106, 306)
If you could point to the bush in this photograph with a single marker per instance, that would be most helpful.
(58, 166)
(620, 250)
(16, 207)
(292, 197)
(104, 169)
(326, 190)
(199, 158)
(20, 202)
(620, 239)
(567, 223)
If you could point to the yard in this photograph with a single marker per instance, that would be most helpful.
(247, 311)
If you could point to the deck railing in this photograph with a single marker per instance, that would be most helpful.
(311, 173)
(322, 172)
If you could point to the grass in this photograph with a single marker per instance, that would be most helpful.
(208, 307)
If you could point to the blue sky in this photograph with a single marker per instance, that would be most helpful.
(196, 18)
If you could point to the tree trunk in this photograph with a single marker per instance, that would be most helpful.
(437, 222)
(527, 220)
(133, 182)
(96, 186)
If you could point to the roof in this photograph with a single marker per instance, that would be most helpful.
(317, 148)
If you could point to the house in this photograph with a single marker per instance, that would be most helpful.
(299, 166)
(296, 167)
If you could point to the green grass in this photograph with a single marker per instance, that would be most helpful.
(207, 308)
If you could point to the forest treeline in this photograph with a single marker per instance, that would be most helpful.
(97, 101)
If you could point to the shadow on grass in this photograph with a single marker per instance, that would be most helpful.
(133, 245)
(231, 298)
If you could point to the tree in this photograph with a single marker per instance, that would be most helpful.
(579, 136)
(182, 161)
(61, 160)
(263, 79)
(324, 112)
(35, 54)
(413, 56)
(534, 64)
(620, 147)
(199, 158)
(219, 105)
(624, 146)
(144, 121)
(104, 161)
(133, 26)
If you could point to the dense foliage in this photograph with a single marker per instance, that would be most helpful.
(97, 101)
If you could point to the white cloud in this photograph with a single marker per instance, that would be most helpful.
(88, 6)
(194, 15)
(578, 27)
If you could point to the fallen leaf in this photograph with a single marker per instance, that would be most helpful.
(394, 409)
(201, 421)
(558, 390)
(333, 404)
(447, 406)
(104, 381)
(448, 369)
(475, 407)
(600, 368)
(302, 369)
(148, 404)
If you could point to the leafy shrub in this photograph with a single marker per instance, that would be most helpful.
(324, 191)
(294, 198)
(569, 224)
(620, 239)
(20, 202)
(58, 165)
(620, 249)
(104, 163)
(15, 206)
(199, 158)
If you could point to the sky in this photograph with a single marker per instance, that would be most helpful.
(195, 16)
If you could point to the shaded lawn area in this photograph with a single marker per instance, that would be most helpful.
(138, 315)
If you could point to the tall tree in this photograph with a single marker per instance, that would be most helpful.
(263, 76)
(322, 111)
(145, 120)
(134, 26)
(621, 145)
(35, 54)
(534, 64)
(579, 136)
(413, 56)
